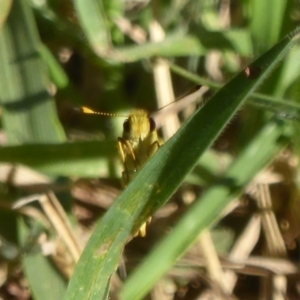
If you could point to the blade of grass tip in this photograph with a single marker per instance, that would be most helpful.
(59, 76)
(57, 73)
(206, 210)
(102, 253)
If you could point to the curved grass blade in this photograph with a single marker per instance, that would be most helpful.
(207, 209)
(161, 176)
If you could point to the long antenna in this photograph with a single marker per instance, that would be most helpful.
(86, 110)
(179, 104)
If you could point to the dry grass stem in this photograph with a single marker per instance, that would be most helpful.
(274, 241)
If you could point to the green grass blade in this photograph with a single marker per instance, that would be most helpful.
(282, 107)
(102, 253)
(238, 41)
(28, 110)
(93, 19)
(266, 29)
(206, 210)
(178, 45)
(29, 116)
(55, 27)
(171, 46)
(45, 282)
(69, 159)
(5, 6)
(56, 71)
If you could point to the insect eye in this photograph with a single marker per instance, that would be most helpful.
(152, 124)
(126, 126)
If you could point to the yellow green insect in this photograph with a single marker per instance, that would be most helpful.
(137, 144)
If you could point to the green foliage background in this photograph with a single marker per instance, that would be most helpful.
(109, 71)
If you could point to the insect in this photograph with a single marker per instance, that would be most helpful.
(140, 140)
(138, 143)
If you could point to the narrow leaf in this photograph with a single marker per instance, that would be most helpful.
(161, 176)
